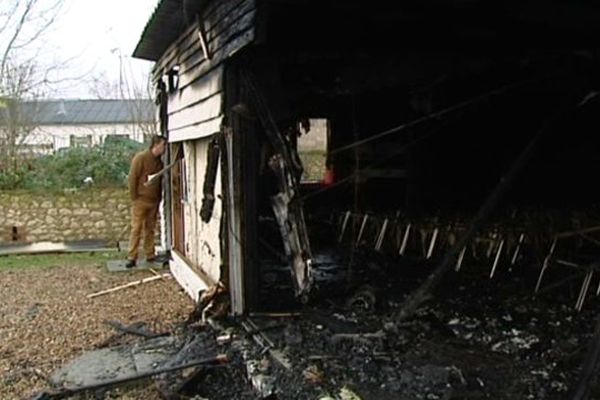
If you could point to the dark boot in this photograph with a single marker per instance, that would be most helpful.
(130, 264)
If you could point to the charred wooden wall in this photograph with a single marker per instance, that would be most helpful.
(193, 69)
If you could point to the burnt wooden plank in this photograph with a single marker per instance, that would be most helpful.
(213, 22)
(237, 25)
(215, 28)
(200, 68)
(196, 55)
(166, 62)
(235, 22)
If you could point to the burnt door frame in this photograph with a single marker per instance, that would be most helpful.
(177, 212)
(240, 185)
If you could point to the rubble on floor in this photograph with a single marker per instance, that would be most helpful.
(475, 338)
(478, 338)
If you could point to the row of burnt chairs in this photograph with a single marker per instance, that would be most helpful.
(547, 239)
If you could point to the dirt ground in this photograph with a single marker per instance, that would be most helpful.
(46, 319)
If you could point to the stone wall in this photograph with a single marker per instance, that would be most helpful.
(86, 214)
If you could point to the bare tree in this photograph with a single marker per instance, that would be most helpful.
(103, 88)
(23, 78)
(135, 91)
(140, 93)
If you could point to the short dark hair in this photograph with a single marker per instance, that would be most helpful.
(156, 139)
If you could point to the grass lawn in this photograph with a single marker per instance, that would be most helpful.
(313, 163)
(50, 260)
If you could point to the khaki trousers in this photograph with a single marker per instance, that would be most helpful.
(143, 217)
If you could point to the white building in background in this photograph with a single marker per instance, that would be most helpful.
(58, 124)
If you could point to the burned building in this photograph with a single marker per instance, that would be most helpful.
(446, 121)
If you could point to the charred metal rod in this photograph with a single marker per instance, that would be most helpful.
(70, 391)
(560, 283)
(362, 229)
(422, 293)
(435, 115)
(461, 257)
(590, 239)
(436, 231)
(497, 259)
(546, 264)
(578, 232)
(275, 314)
(584, 290)
(518, 249)
(405, 239)
(381, 235)
(344, 224)
(265, 342)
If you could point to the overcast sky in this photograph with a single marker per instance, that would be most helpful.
(96, 33)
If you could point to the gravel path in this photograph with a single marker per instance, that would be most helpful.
(46, 320)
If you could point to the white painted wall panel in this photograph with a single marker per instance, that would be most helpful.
(59, 135)
(198, 90)
(202, 240)
(196, 113)
(200, 130)
(209, 242)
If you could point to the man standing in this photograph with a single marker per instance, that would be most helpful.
(145, 199)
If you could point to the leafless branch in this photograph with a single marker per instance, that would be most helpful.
(23, 79)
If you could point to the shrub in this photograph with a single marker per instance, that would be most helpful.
(107, 165)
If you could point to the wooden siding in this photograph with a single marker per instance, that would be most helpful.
(195, 108)
(202, 129)
(202, 240)
(222, 22)
(203, 111)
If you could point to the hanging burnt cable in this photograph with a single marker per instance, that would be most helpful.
(441, 113)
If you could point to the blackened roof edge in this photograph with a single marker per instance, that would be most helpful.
(168, 21)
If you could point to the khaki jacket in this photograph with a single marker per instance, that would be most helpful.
(143, 164)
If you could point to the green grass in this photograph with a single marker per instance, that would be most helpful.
(314, 165)
(42, 261)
